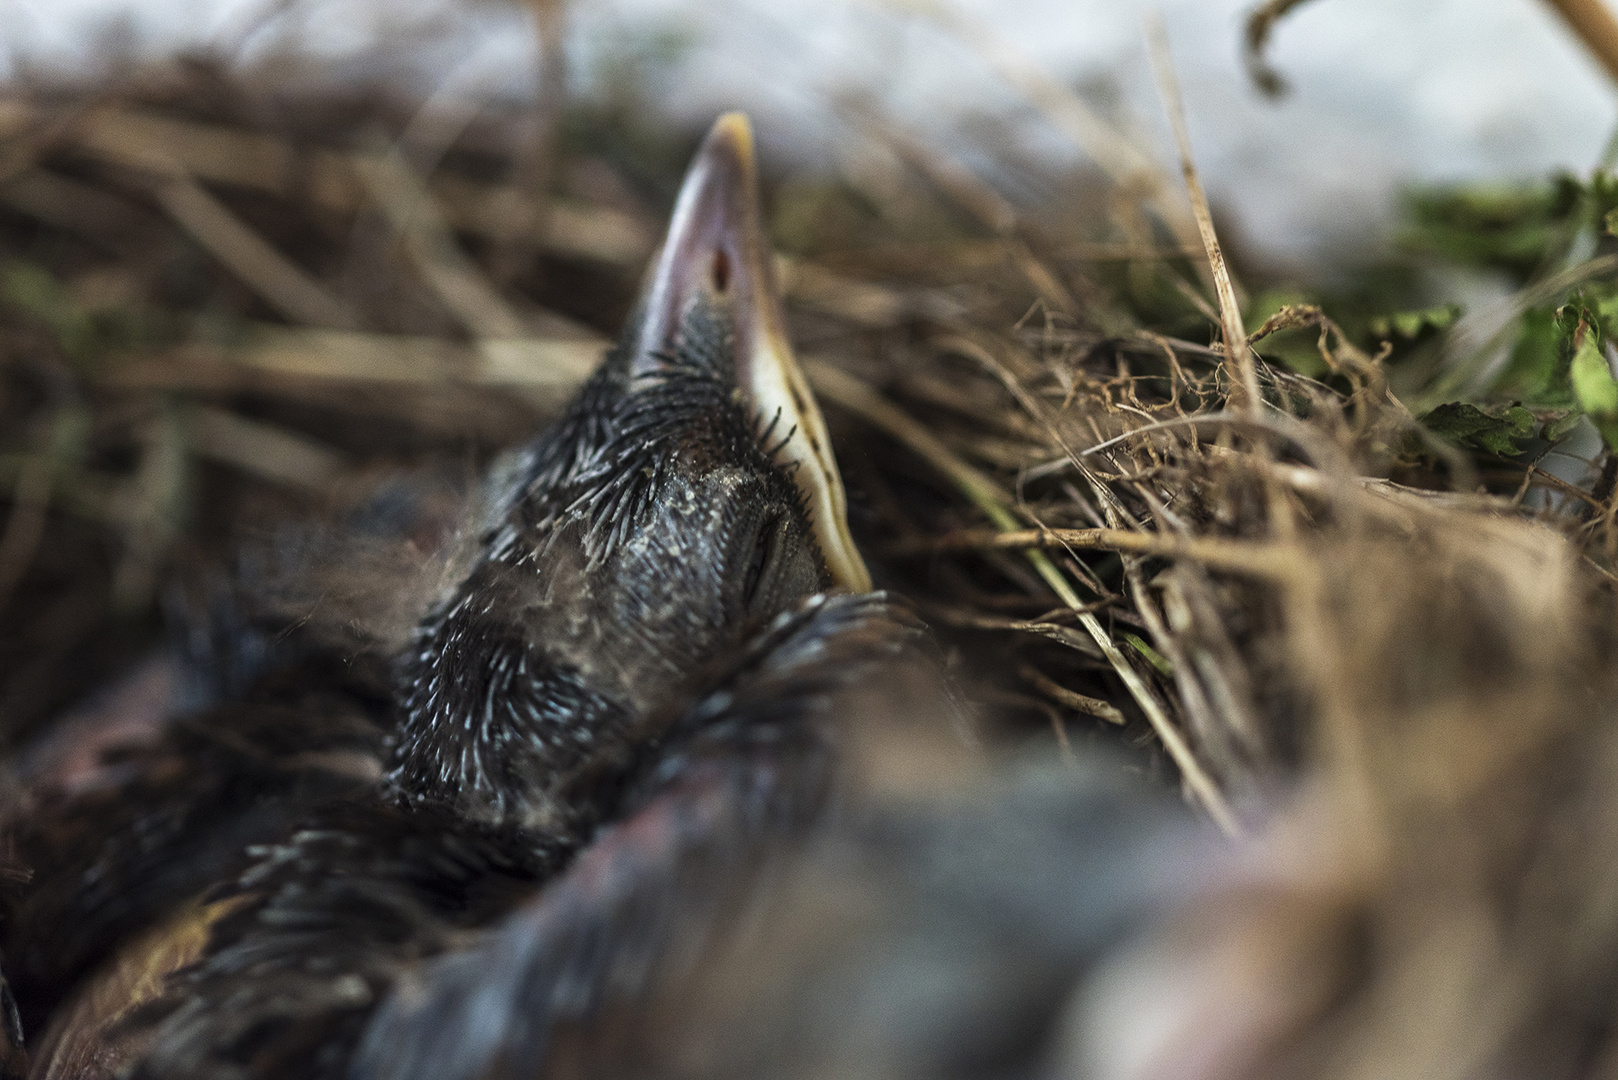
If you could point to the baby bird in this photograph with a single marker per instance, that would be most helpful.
(636, 642)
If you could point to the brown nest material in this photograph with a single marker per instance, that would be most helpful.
(224, 310)
(213, 321)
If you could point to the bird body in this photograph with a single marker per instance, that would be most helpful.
(238, 895)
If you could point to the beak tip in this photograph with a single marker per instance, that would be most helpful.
(732, 137)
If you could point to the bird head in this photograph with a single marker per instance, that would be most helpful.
(687, 496)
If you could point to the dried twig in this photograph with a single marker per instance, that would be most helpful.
(860, 398)
(552, 365)
(1081, 702)
(62, 202)
(1260, 24)
(1268, 561)
(1595, 25)
(433, 251)
(258, 161)
(988, 206)
(264, 450)
(278, 280)
(1237, 351)
(538, 154)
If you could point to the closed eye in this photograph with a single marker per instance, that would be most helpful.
(763, 548)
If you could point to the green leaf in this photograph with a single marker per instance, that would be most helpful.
(1559, 428)
(1522, 421)
(1505, 227)
(1495, 432)
(1575, 320)
(1593, 385)
(1537, 372)
(1596, 389)
(1411, 324)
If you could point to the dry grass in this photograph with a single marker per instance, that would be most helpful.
(212, 319)
(223, 309)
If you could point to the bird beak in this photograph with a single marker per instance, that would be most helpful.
(716, 248)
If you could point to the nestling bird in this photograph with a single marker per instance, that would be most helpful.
(636, 625)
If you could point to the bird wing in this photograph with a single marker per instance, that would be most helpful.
(751, 767)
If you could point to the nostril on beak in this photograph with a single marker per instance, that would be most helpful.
(721, 271)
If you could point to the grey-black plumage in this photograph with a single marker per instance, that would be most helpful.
(744, 774)
(642, 538)
(615, 571)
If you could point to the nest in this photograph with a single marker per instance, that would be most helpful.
(224, 309)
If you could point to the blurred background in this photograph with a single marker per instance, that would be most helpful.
(1382, 93)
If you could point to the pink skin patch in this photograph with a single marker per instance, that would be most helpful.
(71, 757)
